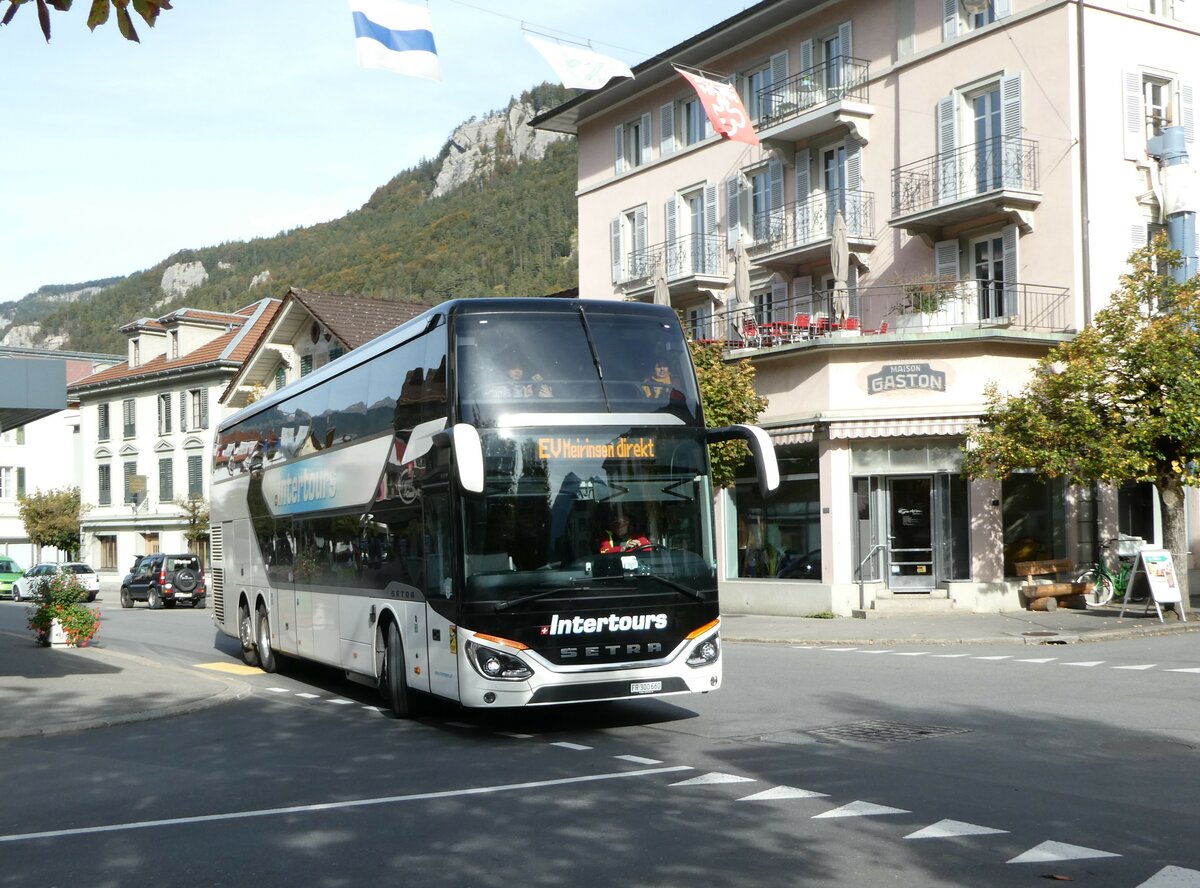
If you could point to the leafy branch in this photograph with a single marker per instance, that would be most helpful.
(98, 14)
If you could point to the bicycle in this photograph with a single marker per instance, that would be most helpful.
(1107, 585)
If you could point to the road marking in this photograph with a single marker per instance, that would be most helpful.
(336, 806)
(911, 653)
(1001, 657)
(339, 701)
(308, 696)
(950, 656)
(231, 668)
(1038, 660)
(1196, 669)
(860, 809)
(279, 690)
(464, 725)
(865, 651)
(1143, 666)
(638, 760)
(1086, 663)
(837, 649)
(1173, 877)
(1048, 852)
(713, 777)
(948, 829)
(783, 792)
(565, 745)
(515, 736)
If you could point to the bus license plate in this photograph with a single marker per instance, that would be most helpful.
(645, 687)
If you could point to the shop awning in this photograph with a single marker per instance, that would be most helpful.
(901, 428)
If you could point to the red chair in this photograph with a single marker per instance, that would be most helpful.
(882, 329)
(751, 334)
(851, 324)
(803, 325)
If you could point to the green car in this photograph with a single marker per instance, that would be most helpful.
(9, 571)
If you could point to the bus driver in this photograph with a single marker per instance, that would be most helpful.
(619, 538)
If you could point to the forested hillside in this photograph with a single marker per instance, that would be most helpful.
(508, 232)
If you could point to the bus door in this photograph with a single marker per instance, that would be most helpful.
(442, 609)
(283, 588)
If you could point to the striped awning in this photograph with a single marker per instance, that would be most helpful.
(794, 434)
(901, 427)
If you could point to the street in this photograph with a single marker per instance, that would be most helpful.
(814, 765)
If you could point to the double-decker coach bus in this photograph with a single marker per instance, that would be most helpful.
(431, 512)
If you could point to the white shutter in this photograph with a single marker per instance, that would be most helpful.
(184, 416)
(949, 19)
(803, 186)
(666, 127)
(1184, 10)
(204, 408)
(1138, 236)
(614, 241)
(647, 144)
(945, 260)
(947, 139)
(846, 43)
(1001, 8)
(806, 222)
(779, 301)
(708, 245)
(775, 185)
(670, 211)
(1011, 270)
(639, 232)
(620, 163)
(802, 294)
(1010, 106)
(710, 210)
(808, 82)
(1187, 115)
(733, 204)
(779, 76)
(855, 220)
(1135, 128)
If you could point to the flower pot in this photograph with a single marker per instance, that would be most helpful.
(58, 638)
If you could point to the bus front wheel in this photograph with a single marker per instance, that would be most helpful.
(246, 636)
(395, 682)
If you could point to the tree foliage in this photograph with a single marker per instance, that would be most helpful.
(195, 518)
(97, 15)
(52, 518)
(727, 393)
(1119, 402)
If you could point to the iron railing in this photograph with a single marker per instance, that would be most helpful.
(996, 164)
(693, 254)
(811, 221)
(839, 78)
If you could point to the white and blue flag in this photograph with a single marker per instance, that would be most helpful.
(395, 36)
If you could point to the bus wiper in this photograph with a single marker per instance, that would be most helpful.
(678, 587)
(587, 332)
(533, 596)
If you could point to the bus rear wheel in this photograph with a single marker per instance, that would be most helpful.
(266, 656)
(395, 683)
(246, 636)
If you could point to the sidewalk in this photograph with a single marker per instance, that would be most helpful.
(47, 691)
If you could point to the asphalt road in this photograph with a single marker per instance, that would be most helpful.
(950, 766)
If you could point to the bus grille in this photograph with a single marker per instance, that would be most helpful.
(217, 545)
(216, 583)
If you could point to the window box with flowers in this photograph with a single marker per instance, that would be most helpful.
(58, 615)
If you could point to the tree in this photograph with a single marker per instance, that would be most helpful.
(97, 15)
(727, 393)
(1120, 402)
(52, 518)
(195, 517)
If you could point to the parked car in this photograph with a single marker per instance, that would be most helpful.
(26, 586)
(9, 571)
(162, 580)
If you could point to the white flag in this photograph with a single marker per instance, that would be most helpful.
(579, 68)
(395, 36)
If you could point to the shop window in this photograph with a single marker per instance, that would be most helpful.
(1034, 513)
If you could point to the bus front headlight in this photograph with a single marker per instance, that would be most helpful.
(494, 664)
(705, 653)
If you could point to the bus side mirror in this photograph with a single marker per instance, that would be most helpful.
(467, 454)
(762, 449)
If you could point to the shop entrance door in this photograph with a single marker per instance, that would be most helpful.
(910, 551)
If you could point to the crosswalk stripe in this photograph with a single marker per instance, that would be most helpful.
(1048, 852)
(948, 829)
(912, 653)
(1086, 663)
(1001, 657)
(783, 792)
(950, 656)
(637, 759)
(1184, 670)
(1173, 877)
(579, 747)
(861, 809)
(1038, 660)
(1143, 666)
(713, 777)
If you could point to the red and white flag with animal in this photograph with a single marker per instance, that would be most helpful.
(724, 108)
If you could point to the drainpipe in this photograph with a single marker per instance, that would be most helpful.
(1085, 240)
(1179, 197)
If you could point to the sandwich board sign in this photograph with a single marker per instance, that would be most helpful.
(1159, 569)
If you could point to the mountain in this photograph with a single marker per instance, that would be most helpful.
(493, 214)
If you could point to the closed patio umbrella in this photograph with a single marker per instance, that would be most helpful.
(839, 257)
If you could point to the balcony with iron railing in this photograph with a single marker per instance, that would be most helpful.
(998, 175)
(802, 231)
(815, 100)
(689, 261)
(895, 311)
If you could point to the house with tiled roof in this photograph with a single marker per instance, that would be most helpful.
(309, 330)
(147, 426)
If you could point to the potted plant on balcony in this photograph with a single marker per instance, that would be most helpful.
(927, 301)
(59, 617)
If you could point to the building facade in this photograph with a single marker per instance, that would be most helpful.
(943, 192)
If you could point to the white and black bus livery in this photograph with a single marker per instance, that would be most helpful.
(427, 512)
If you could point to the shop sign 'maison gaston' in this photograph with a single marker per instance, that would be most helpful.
(899, 377)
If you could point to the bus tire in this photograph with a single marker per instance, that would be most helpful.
(266, 656)
(395, 682)
(246, 635)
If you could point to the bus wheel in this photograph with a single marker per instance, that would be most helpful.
(246, 634)
(266, 656)
(395, 684)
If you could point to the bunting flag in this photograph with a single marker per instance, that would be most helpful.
(579, 68)
(395, 36)
(724, 108)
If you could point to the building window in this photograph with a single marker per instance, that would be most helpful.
(198, 400)
(633, 143)
(6, 483)
(630, 260)
(135, 359)
(102, 432)
(306, 365)
(756, 82)
(335, 352)
(131, 495)
(164, 414)
(174, 344)
(129, 415)
(1156, 93)
(104, 485)
(108, 551)
(280, 378)
(1034, 518)
(195, 476)
(166, 480)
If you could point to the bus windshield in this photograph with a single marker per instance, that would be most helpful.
(578, 510)
(592, 359)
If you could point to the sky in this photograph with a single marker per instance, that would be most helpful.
(235, 119)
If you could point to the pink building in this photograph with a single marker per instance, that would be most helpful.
(989, 161)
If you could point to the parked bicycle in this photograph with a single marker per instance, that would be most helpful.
(1108, 585)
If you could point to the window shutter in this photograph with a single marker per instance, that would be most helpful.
(949, 19)
(775, 185)
(733, 202)
(203, 408)
(1187, 114)
(666, 127)
(802, 294)
(183, 412)
(614, 245)
(20, 435)
(102, 429)
(620, 163)
(639, 231)
(779, 76)
(195, 482)
(853, 181)
(710, 209)
(306, 364)
(104, 484)
(165, 481)
(845, 39)
(802, 175)
(1010, 106)
(280, 378)
(946, 139)
(806, 61)
(20, 480)
(647, 143)
(1011, 236)
(670, 211)
(1135, 126)
(779, 300)
(1001, 8)
(945, 260)
(707, 246)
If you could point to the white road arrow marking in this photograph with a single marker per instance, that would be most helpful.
(637, 760)
(1173, 877)
(1048, 852)
(861, 809)
(783, 792)
(948, 829)
(714, 777)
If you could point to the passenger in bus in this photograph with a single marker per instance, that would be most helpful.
(620, 537)
(519, 385)
(659, 383)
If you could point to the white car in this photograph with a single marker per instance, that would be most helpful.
(25, 587)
